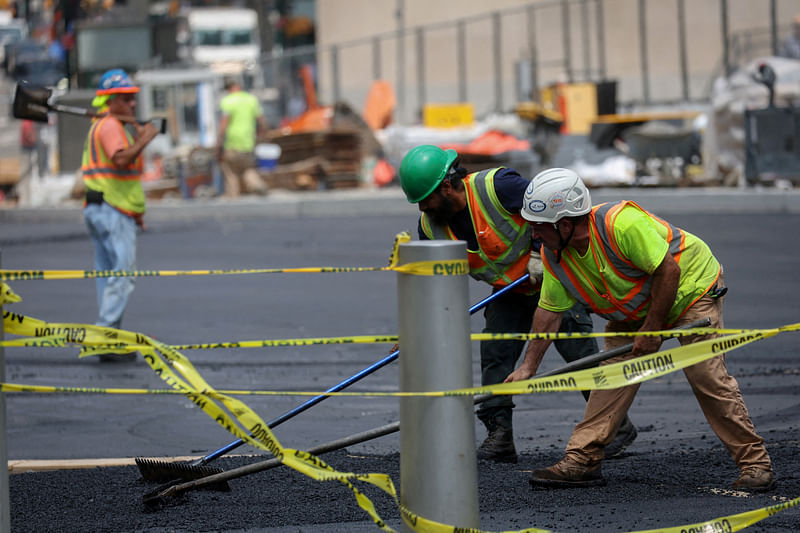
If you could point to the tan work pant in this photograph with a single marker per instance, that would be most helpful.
(240, 173)
(716, 391)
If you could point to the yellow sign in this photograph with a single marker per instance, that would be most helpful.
(448, 115)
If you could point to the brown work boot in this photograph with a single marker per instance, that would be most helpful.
(499, 445)
(755, 479)
(568, 473)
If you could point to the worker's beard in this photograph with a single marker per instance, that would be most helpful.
(442, 215)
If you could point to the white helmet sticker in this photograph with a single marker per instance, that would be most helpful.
(537, 206)
(557, 200)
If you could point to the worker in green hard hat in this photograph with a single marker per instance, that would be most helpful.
(483, 209)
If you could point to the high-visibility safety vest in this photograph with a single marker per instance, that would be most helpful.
(634, 302)
(504, 239)
(121, 187)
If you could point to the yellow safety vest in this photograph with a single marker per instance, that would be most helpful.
(121, 187)
(632, 305)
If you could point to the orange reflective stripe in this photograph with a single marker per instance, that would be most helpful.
(635, 290)
(578, 286)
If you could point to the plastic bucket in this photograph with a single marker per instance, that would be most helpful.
(267, 156)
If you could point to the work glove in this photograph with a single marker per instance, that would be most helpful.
(535, 268)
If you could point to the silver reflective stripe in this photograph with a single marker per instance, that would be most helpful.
(434, 231)
(516, 237)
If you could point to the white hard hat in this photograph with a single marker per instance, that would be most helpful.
(554, 194)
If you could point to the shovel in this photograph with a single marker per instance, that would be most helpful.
(33, 103)
(219, 481)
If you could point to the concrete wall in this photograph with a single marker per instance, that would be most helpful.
(592, 51)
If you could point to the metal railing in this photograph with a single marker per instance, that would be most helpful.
(652, 48)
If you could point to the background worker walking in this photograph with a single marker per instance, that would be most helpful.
(641, 274)
(482, 209)
(241, 123)
(115, 202)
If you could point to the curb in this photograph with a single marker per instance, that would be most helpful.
(391, 201)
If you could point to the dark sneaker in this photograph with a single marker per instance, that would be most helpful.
(499, 446)
(568, 473)
(755, 479)
(625, 436)
(117, 357)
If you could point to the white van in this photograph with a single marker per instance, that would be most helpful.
(225, 38)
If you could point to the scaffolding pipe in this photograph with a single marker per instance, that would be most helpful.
(497, 60)
(643, 57)
(438, 465)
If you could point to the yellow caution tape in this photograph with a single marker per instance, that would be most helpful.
(421, 268)
(728, 524)
(7, 296)
(98, 341)
(20, 275)
(241, 421)
(401, 238)
(610, 376)
(232, 414)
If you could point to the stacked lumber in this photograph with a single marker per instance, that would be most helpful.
(317, 160)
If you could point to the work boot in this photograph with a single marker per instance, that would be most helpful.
(499, 445)
(568, 473)
(755, 479)
(625, 436)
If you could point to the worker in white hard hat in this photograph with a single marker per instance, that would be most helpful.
(640, 273)
(482, 209)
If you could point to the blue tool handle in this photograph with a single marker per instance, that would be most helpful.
(349, 381)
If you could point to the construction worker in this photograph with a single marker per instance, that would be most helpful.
(790, 47)
(115, 202)
(242, 120)
(641, 274)
(483, 209)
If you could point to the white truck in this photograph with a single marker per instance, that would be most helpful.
(224, 38)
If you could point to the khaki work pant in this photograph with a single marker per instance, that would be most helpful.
(241, 174)
(716, 391)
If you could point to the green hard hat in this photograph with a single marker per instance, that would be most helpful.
(423, 169)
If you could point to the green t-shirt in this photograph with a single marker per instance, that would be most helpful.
(243, 109)
(642, 241)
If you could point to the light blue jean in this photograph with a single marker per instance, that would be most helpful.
(114, 237)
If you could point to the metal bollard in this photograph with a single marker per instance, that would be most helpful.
(5, 509)
(438, 466)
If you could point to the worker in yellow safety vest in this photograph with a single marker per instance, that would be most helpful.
(640, 273)
(115, 202)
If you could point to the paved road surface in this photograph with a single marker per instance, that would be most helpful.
(677, 466)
